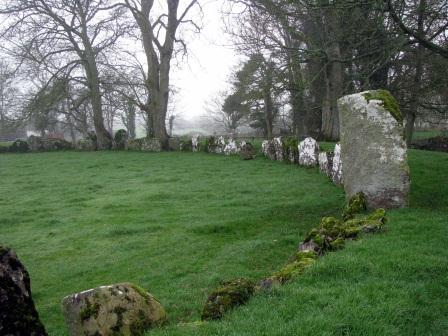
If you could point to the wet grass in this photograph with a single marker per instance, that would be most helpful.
(174, 223)
(178, 223)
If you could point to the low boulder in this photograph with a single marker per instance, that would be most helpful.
(227, 296)
(121, 309)
(247, 151)
(18, 315)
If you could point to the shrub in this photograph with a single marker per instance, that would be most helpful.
(121, 139)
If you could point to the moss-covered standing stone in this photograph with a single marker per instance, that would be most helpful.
(373, 149)
(121, 309)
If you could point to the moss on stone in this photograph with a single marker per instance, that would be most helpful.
(143, 293)
(356, 205)
(337, 244)
(388, 102)
(227, 296)
(378, 215)
(301, 255)
(293, 269)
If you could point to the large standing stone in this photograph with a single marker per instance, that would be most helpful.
(18, 316)
(269, 149)
(373, 149)
(308, 152)
(121, 309)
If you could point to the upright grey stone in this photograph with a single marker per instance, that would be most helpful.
(336, 171)
(231, 147)
(308, 152)
(195, 143)
(326, 163)
(374, 152)
(279, 150)
(220, 145)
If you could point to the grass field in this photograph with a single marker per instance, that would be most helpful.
(178, 223)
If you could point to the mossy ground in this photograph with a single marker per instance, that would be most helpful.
(179, 223)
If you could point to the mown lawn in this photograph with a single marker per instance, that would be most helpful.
(173, 223)
(178, 223)
(395, 283)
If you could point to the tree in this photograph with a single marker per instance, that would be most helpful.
(65, 36)
(159, 37)
(424, 21)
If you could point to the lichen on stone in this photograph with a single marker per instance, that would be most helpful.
(388, 102)
(90, 310)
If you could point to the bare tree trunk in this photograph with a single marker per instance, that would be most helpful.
(413, 106)
(103, 136)
(334, 78)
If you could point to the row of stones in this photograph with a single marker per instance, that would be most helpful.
(305, 153)
(330, 235)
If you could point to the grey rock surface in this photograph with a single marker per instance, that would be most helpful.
(374, 152)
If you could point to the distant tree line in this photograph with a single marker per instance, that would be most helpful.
(73, 64)
(303, 55)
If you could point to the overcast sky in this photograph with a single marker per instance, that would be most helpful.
(210, 62)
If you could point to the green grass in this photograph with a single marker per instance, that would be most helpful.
(174, 223)
(420, 135)
(178, 223)
(5, 143)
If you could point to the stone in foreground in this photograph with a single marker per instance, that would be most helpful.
(18, 316)
(373, 149)
(121, 309)
(308, 152)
